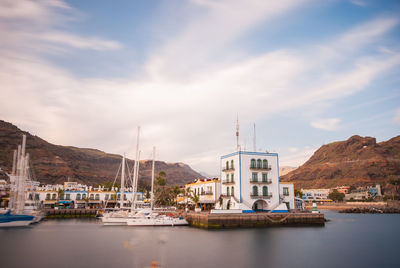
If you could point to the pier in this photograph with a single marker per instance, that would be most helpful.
(251, 220)
(69, 213)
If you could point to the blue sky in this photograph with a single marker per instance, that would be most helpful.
(86, 73)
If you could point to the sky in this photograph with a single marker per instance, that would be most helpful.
(305, 72)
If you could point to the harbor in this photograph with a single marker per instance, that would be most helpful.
(85, 242)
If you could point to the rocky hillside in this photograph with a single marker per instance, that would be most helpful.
(357, 161)
(54, 163)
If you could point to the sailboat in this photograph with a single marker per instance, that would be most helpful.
(15, 216)
(121, 216)
(151, 218)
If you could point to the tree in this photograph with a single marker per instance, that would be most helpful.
(336, 196)
(163, 195)
(195, 198)
(395, 181)
(298, 193)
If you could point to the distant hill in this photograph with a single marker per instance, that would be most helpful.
(357, 161)
(54, 163)
(283, 170)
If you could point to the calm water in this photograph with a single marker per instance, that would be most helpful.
(348, 240)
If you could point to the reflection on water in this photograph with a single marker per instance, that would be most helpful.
(348, 240)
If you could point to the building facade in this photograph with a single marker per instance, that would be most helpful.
(250, 182)
(208, 191)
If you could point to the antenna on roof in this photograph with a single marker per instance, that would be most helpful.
(237, 133)
(254, 140)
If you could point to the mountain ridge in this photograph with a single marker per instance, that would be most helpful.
(356, 161)
(55, 163)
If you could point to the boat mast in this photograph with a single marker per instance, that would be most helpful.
(21, 177)
(135, 169)
(122, 189)
(152, 179)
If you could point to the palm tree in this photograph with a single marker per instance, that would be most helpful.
(195, 198)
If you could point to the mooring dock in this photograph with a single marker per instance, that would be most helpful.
(247, 220)
(69, 213)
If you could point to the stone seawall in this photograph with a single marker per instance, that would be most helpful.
(69, 213)
(250, 220)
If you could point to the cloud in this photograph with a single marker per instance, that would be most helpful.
(192, 86)
(297, 158)
(396, 118)
(329, 124)
(358, 3)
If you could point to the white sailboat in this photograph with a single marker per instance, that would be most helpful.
(150, 218)
(16, 215)
(120, 217)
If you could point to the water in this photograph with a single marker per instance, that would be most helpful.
(348, 240)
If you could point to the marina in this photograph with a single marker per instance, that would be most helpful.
(342, 242)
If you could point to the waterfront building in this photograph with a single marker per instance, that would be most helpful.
(208, 191)
(320, 195)
(250, 182)
(343, 189)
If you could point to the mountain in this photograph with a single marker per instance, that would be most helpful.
(285, 170)
(357, 161)
(54, 163)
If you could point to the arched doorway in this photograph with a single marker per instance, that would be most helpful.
(260, 205)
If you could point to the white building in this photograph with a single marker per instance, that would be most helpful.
(250, 182)
(319, 195)
(208, 190)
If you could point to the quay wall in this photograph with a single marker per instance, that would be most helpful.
(250, 220)
(69, 213)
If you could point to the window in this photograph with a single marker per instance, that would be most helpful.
(47, 196)
(265, 164)
(98, 197)
(30, 196)
(233, 191)
(78, 196)
(227, 191)
(227, 177)
(253, 163)
(255, 191)
(286, 191)
(62, 197)
(91, 197)
(232, 178)
(227, 164)
(254, 176)
(83, 196)
(107, 196)
(259, 163)
(36, 196)
(264, 177)
(67, 197)
(231, 164)
(265, 190)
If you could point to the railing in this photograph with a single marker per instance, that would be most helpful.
(228, 182)
(228, 169)
(261, 168)
(256, 195)
(207, 193)
(260, 181)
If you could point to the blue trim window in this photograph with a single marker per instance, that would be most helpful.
(265, 163)
(253, 163)
(254, 176)
(265, 190)
(255, 190)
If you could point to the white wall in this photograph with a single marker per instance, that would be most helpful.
(290, 197)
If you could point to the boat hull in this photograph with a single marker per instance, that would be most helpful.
(15, 220)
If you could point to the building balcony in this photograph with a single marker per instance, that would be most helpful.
(207, 193)
(267, 196)
(261, 168)
(260, 181)
(228, 182)
(228, 169)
